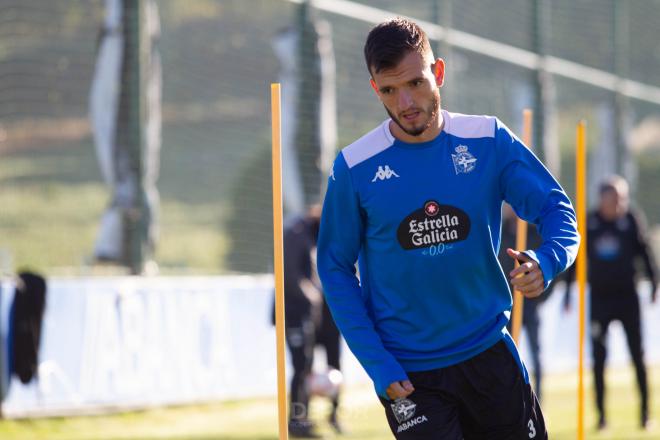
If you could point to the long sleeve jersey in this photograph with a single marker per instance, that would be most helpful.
(423, 222)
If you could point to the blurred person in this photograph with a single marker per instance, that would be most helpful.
(616, 238)
(328, 337)
(530, 319)
(417, 203)
(303, 304)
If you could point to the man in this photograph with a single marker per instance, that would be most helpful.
(303, 308)
(615, 239)
(328, 337)
(417, 202)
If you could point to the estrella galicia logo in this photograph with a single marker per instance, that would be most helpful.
(433, 224)
(464, 161)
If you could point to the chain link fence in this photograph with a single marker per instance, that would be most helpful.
(218, 61)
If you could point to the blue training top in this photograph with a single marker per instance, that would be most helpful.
(423, 221)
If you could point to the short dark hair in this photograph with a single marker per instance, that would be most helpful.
(390, 41)
(614, 183)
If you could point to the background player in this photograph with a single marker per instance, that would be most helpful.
(616, 238)
(303, 308)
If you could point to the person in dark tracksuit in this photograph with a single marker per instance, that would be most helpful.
(328, 337)
(615, 239)
(530, 318)
(303, 308)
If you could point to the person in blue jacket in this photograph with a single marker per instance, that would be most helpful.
(417, 204)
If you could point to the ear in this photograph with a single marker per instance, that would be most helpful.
(439, 71)
(374, 86)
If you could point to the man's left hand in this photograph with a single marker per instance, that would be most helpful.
(526, 278)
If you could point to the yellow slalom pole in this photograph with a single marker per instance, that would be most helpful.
(521, 239)
(581, 264)
(278, 253)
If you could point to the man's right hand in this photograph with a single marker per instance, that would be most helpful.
(399, 389)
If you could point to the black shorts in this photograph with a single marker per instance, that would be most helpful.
(487, 397)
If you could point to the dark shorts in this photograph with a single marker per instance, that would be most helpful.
(486, 397)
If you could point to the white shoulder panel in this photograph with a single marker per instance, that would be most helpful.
(377, 140)
(468, 126)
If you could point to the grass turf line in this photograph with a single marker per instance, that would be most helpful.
(363, 416)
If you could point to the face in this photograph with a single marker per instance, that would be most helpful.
(613, 204)
(410, 93)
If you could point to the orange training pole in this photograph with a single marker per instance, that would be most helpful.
(521, 239)
(581, 263)
(278, 251)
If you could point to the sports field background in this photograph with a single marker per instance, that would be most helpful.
(218, 62)
(257, 419)
(215, 182)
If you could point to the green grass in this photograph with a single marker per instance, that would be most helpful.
(52, 199)
(622, 406)
(42, 224)
(362, 414)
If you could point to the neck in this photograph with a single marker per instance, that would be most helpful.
(428, 135)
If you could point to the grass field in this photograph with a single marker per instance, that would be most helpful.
(361, 413)
(52, 199)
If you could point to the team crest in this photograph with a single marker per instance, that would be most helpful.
(464, 162)
(403, 409)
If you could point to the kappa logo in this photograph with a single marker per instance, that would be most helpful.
(464, 162)
(384, 173)
(403, 409)
(332, 172)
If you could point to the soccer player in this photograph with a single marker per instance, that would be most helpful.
(303, 308)
(616, 237)
(329, 338)
(417, 203)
